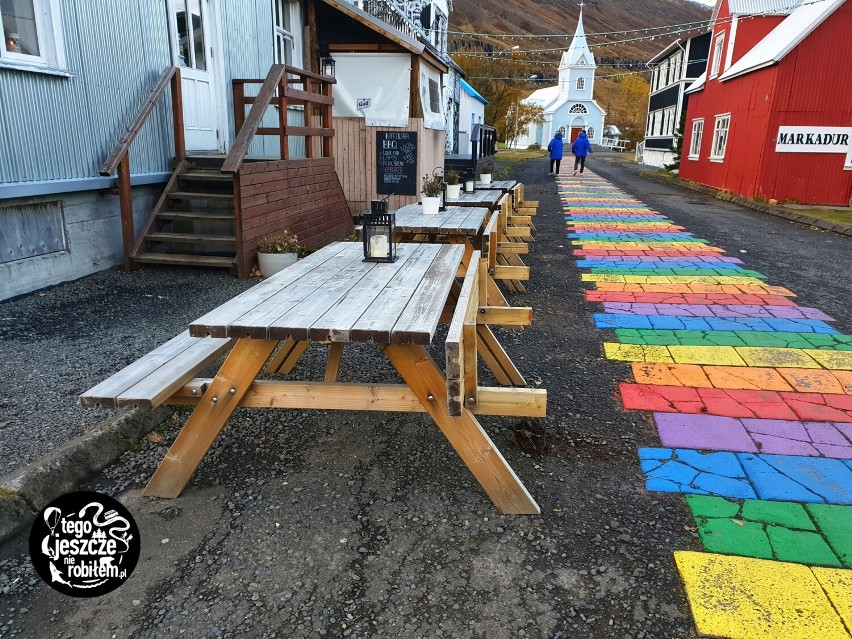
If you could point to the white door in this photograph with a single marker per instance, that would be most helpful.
(195, 34)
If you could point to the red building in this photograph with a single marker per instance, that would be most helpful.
(772, 115)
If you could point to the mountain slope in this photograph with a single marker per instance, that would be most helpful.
(533, 17)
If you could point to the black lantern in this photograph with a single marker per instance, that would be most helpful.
(327, 66)
(468, 186)
(443, 206)
(378, 232)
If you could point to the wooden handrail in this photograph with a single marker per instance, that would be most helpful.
(119, 158)
(255, 117)
(275, 90)
(169, 75)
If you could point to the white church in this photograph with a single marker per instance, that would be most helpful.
(568, 106)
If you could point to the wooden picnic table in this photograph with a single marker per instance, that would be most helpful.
(333, 296)
(489, 198)
(475, 228)
(503, 186)
(456, 220)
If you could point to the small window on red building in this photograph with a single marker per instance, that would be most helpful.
(718, 48)
(720, 137)
(695, 141)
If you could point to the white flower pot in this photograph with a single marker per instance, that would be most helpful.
(431, 205)
(272, 263)
(485, 178)
(453, 191)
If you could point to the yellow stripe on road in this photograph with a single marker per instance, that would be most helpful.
(758, 356)
(744, 598)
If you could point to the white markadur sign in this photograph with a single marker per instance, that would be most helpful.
(812, 139)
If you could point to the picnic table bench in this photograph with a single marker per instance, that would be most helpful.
(334, 297)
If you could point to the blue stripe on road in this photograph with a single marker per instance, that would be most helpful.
(688, 323)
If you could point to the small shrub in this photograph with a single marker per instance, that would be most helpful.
(285, 242)
(452, 177)
(433, 185)
(487, 167)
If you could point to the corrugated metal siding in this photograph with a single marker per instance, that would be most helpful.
(54, 128)
(780, 7)
(812, 93)
(248, 50)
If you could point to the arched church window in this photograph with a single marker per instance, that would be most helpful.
(578, 108)
(581, 84)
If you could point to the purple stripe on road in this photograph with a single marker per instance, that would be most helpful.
(772, 436)
(720, 310)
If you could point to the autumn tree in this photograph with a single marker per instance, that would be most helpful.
(629, 107)
(502, 80)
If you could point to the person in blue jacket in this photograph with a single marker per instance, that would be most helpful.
(555, 148)
(581, 148)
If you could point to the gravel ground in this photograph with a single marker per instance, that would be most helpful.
(319, 524)
(61, 341)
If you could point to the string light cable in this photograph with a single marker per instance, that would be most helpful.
(683, 26)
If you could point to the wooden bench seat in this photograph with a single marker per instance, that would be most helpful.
(152, 379)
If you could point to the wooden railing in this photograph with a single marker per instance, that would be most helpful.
(276, 90)
(483, 142)
(120, 158)
(390, 14)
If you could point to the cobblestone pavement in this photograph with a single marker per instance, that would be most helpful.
(751, 395)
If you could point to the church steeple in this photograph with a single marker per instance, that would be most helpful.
(578, 54)
(577, 62)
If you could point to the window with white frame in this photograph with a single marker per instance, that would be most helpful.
(695, 140)
(648, 125)
(718, 48)
(581, 84)
(720, 137)
(287, 24)
(677, 64)
(32, 36)
(578, 108)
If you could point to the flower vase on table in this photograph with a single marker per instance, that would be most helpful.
(433, 189)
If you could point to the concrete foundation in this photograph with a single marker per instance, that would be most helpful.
(92, 227)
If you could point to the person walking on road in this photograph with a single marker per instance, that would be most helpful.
(555, 149)
(581, 148)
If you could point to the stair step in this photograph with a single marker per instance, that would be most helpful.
(190, 237)
(206, 175)
(200, 195)
(185, 260)
(197, 215)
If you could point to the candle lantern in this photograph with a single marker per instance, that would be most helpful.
(468, 186)
(327, 64)
(443, 206)
(378, 232)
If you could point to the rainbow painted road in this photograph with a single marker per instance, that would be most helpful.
(751, 395)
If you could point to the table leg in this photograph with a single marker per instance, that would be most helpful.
(207, 420)
(464, 432)
(497, 359)
(335, 355)
(287, 357)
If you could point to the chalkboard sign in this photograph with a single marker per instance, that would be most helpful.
(396, 162)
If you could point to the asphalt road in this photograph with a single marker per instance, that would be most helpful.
(318, 524)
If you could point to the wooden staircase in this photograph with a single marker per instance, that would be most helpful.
(193, 222)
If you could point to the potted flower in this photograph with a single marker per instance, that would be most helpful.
(485, 172)
(433, 187)
(453, 180)
(277, 252)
